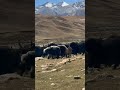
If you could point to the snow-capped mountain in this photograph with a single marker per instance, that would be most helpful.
(62, 4)
(79, 4)
(61, 9)
(49, 5)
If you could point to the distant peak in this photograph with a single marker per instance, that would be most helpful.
(48, 4)
(63, 4)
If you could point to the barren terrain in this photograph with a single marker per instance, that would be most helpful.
(15, 82)
(59, 74)
(106, 79)
(51, 28)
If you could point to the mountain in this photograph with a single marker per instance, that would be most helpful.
(59, 28)
(61, 9)
(79, 4)
(62, 4)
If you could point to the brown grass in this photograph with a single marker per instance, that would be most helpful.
(57, 28)
(63, 78)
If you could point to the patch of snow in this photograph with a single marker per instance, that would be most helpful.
(63, 4)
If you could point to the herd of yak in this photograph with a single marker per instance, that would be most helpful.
(102, 51)
(97, 52)
(18, 59)
(53, 50)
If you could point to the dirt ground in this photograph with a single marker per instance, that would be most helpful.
(15, 82)
(60, 74)
(106, 79)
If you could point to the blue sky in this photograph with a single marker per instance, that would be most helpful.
(40, 2)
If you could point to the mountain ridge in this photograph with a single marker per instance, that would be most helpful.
(61, 9)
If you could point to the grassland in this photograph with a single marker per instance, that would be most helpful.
(62, 78)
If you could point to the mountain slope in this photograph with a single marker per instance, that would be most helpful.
(103, 18)
(51, 27)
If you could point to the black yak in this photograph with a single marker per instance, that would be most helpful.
(52, 52)
(27, 63)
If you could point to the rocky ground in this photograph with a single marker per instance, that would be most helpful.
(60, 74)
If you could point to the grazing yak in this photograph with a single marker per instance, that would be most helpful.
(101, 51)
(111, 47)
(67, 45)
(75, 48)
(9, 60)
(68, 52)
(94, 53)
(52, 52)
(38, 51)
(65, 51)
(78, 47)
(81, 46)
(27, 63)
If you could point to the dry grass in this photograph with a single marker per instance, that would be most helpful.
(63, 77)
(57, 28)
(106, 79)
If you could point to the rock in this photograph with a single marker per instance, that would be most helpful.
(50, 78)
(63, 70)
(42, 66)
(73, 59)
(82, 69)
(53, 70)
(52, 84)
(83, 58)
(38, 71)
(36, 66)
(63, 62)
(47, 66)
(77, 77)
(83, 88)
(39, 58)
(49, 71)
